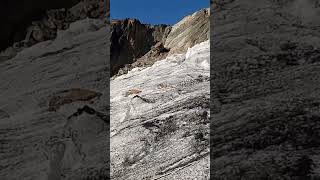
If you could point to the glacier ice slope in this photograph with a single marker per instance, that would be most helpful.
(38, 143)
(160, 119)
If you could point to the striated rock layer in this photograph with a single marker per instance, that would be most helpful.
(190, 31)
(266, 89)
(53, 108)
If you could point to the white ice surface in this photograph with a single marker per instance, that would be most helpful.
(168, 84)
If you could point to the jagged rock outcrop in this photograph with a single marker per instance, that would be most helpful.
(266, 89)
(53, 109)
(45, 26)
(17, 15)
(131, 39)
(157, 52)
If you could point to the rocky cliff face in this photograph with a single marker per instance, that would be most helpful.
(190, 31)
(265, 85)
(134, 44)
(53, 108)
(130, 40)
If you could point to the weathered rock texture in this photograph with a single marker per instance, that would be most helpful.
(47, 22)
(266, 88)
(17, 15)
(190, 31)
(157, 52)
(131, 39)
(53, 108)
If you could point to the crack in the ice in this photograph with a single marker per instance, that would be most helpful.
(91, 111)
(56, 52)
(182, 163)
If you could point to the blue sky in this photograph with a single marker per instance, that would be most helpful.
(155, 12)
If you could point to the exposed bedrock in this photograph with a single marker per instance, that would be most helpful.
(191, 30)
(130, 40)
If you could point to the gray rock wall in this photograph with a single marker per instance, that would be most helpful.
(131, 39)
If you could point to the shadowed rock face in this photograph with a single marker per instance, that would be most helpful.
(131, 39)
(30, 23)
(157, 52)
(16, 15)
(265, 85)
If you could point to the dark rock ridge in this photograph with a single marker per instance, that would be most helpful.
(157, 52)
(266, 88)
(130, 40)
(16, 15)
(44, 23)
